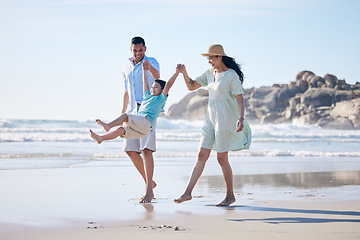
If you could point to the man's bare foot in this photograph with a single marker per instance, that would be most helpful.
(144, 197)
(104, 125)
(226, 202)
(147, 198)
(153, 186)
(183, 198)
(96, 137)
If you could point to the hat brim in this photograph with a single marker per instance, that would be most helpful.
(212, 54)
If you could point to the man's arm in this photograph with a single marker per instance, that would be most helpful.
(125, 101)
(154, 68)
(154, 72)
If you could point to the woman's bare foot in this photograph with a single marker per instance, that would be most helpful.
(96, 137)
(226, 202)
(147, 198)
(183, 198)
(104, 125)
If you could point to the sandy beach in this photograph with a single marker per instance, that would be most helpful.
(282, 199)
(265, 220)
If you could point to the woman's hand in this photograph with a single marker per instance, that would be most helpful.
(239, 124)
(181, 68)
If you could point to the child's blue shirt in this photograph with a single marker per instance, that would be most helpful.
(151, 106)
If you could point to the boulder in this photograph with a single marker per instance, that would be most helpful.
(304, 75)
(270, 118)
(193, 106)
(264, 97)
(316, 81)
(317, 97)
(338, 123)
(302, 85)
(343, 95)
(347, 109)
(325, 121)
(330, 80)
(282, 100)
(310, 118)
(356, 123)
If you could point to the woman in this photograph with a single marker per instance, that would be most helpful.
(225, 128)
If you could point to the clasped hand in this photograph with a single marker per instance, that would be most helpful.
(146, 65)
(180, 68)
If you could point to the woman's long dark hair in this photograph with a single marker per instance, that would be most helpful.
(231, 63)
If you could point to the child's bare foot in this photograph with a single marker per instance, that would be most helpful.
(147, 198)
(226, 202)
(96, 137)
(104, 125)
(183, 198)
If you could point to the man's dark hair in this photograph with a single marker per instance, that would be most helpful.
(161, 82)
(137, 40)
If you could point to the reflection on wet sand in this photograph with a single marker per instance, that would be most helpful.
(304, 180)
(149, 207)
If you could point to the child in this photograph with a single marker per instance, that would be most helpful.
(138, 126)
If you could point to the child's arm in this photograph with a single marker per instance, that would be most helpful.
(171, 81)
(145, 67)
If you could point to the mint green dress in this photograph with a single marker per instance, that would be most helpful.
(218, 132)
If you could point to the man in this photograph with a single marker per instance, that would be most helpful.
(133, 78)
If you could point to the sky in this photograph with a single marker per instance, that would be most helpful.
(62, 59)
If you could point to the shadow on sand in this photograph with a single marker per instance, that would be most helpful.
(278, 220)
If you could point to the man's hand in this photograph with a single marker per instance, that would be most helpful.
(146, 65)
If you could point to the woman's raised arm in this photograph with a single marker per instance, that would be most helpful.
(190, 84)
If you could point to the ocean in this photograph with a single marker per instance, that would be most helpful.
(26, 144)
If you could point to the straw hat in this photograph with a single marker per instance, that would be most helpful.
(213, 50)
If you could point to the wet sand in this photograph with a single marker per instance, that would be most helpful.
(297, 199)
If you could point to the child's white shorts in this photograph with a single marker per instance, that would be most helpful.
(136, 127)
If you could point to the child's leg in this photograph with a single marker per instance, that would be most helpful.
(112, 135)
(117, 122)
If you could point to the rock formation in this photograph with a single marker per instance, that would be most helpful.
(326, 101)
(193, 106)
